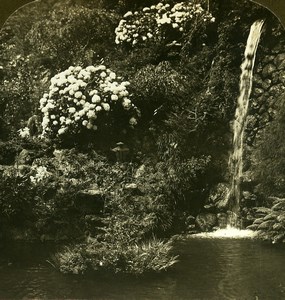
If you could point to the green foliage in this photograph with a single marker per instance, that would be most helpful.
(70, 260)
(159, 89)
(64, 33)
(70, 34)
(187, 178)
(136, 209)
(185, 82)
(160, 23)
(16, 195)
(150, 256)
(43, 191)
(271, 225)
(86, 99)
(8, 151)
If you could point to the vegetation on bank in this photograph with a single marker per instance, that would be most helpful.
(118, 158)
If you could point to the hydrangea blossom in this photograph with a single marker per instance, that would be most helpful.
(24, 132)
(79, 98)
(40, 174)
(152, 23)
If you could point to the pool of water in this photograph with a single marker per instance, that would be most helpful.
(208, 269)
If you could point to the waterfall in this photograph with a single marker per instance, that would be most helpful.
(239, 125)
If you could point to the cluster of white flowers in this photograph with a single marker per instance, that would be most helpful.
(24, 132)
(152, 22)
(137, 27)
(181, 13)
(79, 96)
(41, 174)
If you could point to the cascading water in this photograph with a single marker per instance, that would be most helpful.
(239, 125)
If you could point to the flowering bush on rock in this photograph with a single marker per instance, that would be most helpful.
(155, 22)
(40, 174)
(86, 98)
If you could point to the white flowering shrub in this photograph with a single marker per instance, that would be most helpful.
(24, 132)
(41, 173)
(155, 22)
(86, 98)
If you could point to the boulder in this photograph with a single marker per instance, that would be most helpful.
(206, 221)
(249, 198)
(247, 181)
(275, 78)
(266, 84)
(268, 70)
(248, 219)
(268, 59)
(140, 171)
(218, 195)
(276, 89)
(222, 219)
(258, 91)
(190, 220)
(257, 80)
(282, 78)
(133, 189)
(90, 200)
(280, 60)
(131, 186)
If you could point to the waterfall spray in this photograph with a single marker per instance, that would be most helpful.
(239, 125)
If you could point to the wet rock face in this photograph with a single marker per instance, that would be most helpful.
(218, 195)
(206, 221)
(268, 86)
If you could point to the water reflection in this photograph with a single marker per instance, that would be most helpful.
(208, 269)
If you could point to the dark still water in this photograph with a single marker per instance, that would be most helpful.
(208, 269)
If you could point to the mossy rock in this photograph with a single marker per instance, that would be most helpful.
(206, 221)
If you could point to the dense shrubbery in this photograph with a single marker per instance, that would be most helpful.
(86, 98)
(136, 208)
(269, 172)
(270, 225)
(62, 34)
(16, 194)
(39, 192)
(180, 71)
(149, 256)
(160, 23)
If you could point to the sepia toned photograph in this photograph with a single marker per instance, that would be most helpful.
(142, 149)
